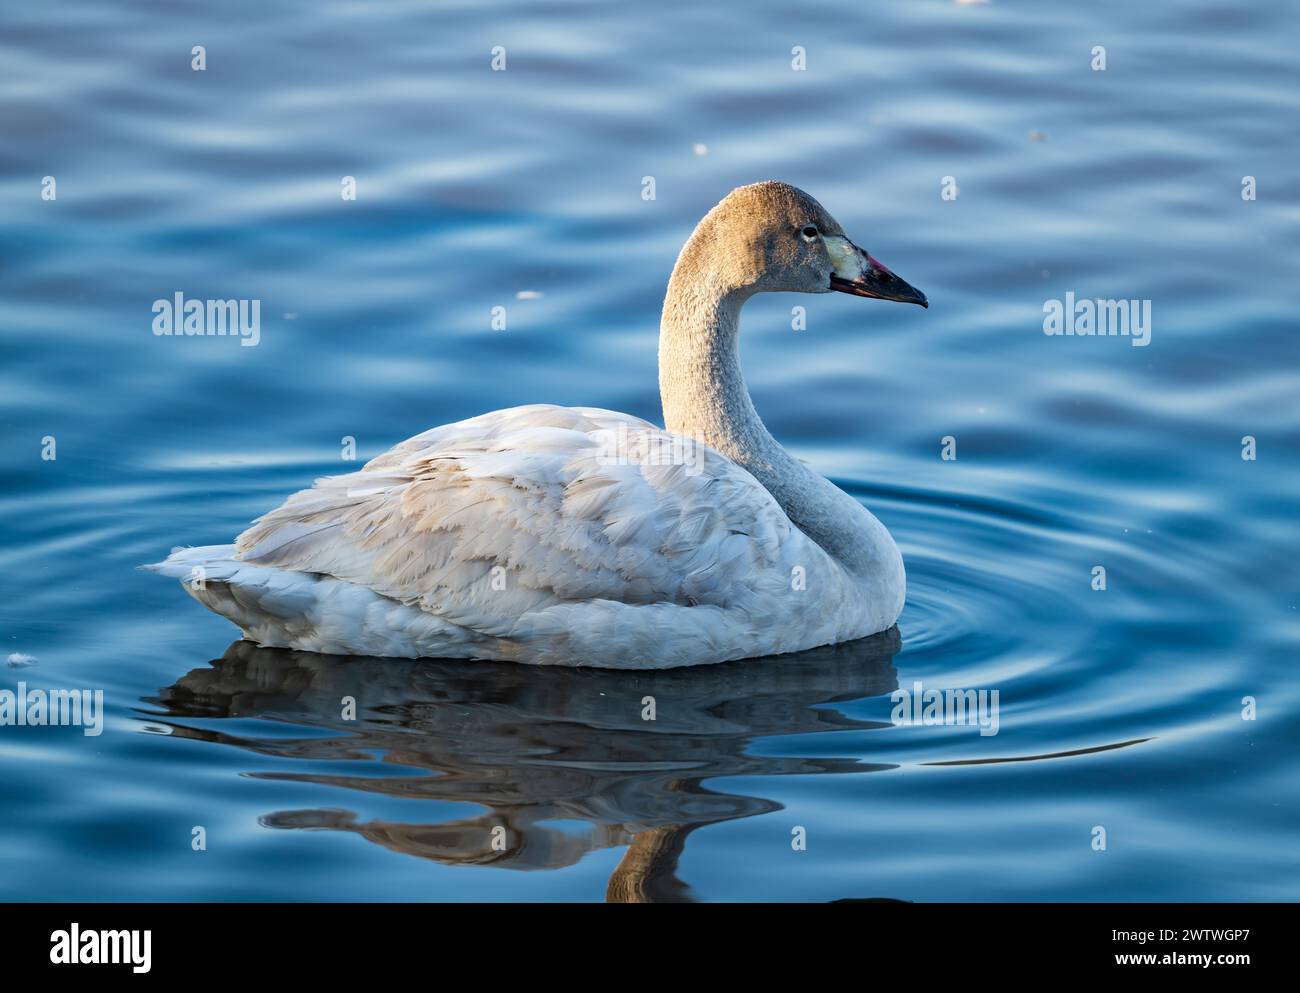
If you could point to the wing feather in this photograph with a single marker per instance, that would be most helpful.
(490, 522)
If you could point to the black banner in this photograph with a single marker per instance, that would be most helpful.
(361, 942)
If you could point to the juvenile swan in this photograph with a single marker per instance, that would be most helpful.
(577, 536)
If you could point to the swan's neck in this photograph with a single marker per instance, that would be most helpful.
(704, 397)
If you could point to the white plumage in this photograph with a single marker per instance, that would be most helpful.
(566, 536)
(524, 534)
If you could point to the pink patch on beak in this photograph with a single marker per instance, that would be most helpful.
(875, 263)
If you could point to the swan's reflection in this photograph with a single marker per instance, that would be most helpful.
(539, 745)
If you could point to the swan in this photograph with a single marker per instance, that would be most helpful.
(577, 536)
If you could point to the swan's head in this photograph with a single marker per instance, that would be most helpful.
(772, 237)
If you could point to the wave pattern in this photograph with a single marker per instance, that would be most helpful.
(1118, 708)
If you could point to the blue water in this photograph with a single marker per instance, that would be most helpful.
(475, 186)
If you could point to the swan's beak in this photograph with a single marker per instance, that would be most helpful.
(858, 273)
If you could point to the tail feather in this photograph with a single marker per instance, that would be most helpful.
(202, 561)
(284, 608)
(244, 593)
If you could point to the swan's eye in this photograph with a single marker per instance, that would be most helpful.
(809, 232)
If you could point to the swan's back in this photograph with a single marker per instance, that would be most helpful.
(553, 535)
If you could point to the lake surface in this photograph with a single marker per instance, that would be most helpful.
(1121, 709)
